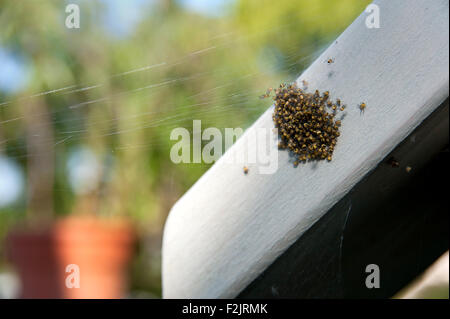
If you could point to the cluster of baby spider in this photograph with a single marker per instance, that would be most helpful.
(306, 122)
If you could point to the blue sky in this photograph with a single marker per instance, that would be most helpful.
(14, 72)
(11, 181)
(213, 8)
(122, 17)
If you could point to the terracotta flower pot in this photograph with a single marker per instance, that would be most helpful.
(77, 257)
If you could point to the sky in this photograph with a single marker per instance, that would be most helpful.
(121, 17)
(11, 181)
(14, 71)
(212, 8)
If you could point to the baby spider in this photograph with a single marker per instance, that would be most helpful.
(330, 60)
(267, 94)
(245, 170)
(393, 162)
(362, 106)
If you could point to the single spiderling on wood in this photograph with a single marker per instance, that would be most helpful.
(393, 162)
(305, 84)
(362, 106)
(304, 125)
(267, 94)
